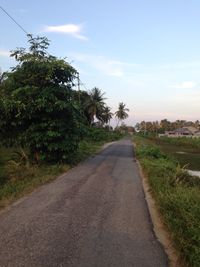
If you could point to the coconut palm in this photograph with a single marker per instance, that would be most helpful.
(121, 114)
(95, 104)
(105, 115)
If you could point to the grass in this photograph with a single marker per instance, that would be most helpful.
(185, 150)
(17, 180)
(183, 141)
(177, 195)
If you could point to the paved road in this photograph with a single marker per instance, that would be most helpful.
(95, 215)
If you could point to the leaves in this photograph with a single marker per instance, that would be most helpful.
(36, 110)
(121, 113)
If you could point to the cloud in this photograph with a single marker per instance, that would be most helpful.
(74, 30)
(184, 85)
(4, 53)
(105, 65)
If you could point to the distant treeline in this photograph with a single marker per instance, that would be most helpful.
(164, 125)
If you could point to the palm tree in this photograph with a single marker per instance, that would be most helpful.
(95, 104)
(121, 114)
(106, 115)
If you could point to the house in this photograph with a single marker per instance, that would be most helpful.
(189, 131)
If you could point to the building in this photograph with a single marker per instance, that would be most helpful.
(189, 131)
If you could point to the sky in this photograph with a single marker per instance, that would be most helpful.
(144, 53)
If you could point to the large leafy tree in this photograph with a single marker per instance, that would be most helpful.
(36, 109)
(121, 114)
(82, 99)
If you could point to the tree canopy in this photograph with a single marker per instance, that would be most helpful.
(36, 110)
(121, 114)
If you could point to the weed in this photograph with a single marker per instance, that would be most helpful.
(177, 195)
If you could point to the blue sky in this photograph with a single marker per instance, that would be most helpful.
(144, 53)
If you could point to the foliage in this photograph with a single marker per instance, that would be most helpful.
(183, 141)
(164, 125)
(92, 105)
(21, 179)
(106, 115)
(36, 110)
(185, 150)
(101, 134)
(150, 151)
(121, 114)
(95, 104)
(178, 197)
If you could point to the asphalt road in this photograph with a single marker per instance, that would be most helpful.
(94, 215)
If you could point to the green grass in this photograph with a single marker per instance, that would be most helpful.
(16, 180)
(183, 141)
(175, 146)
(177, 195)
(5, 155)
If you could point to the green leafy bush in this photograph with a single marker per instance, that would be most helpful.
(150, 151)
(36, 107)
(101, 134)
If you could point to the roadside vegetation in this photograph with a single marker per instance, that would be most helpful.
(182, 142)
(177, 195)
(46, 126)
(185, 150)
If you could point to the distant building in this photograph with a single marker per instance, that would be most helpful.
(189, 131)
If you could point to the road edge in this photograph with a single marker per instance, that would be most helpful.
(22, 198)
(160, 230)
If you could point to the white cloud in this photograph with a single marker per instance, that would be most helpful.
(74, 30)
(105, 65)
(4, 53)
(184, 85)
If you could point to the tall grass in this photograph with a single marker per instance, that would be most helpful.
(181, 141)
(177, 195)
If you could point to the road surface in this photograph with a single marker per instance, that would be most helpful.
(94, 215)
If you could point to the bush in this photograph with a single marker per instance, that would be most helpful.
(150, 151)
(36, 107)
(181, 176)
(101, 134)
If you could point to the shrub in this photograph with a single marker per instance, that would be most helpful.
(150, 151)
(101, 134)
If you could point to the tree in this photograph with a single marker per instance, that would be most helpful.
(165, 125)
(36, 109)
(121, 114)
(95, 104)
(106, 115)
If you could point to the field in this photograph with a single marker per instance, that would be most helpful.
(177, 196)
(185, 150)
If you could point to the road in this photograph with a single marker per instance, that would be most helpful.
(94, 215)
